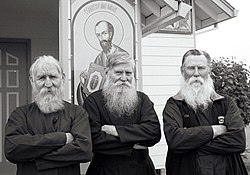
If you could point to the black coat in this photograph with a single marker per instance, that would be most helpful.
(36, 141)
(113, 153)
(192, 149)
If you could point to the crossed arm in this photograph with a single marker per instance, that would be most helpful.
(116, 139)
(221, 139)
(49, 150)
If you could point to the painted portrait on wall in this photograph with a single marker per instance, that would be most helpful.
(99, 29)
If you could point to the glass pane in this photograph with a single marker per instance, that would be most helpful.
(12, 102)
(11, 60)
(12, 78)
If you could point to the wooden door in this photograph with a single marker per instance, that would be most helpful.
(14, 88)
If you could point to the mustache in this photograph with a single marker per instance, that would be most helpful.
(120, 83)
(46, 91)
(195, 80)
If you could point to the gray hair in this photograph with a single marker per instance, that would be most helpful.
(196, 52)
(45, 59)
(119, 58)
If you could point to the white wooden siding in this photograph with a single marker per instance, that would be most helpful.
(161, 60)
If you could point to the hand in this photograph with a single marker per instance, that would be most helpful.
(69, 138)
(218, 130)
(137, 146)
(83, 76)
(109, 129)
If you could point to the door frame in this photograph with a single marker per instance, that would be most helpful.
(28, 51)
(27, 43)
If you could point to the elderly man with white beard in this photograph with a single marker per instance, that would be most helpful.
(49, 136)
(204, 130)
(123, 123)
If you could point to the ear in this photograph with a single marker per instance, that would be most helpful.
(106, 70)
(31, 80)
(209, 70)
(110, 35)
(182, 70)
(63, 77)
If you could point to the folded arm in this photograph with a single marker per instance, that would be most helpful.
(233, 140)
(179, 138)
(78, 147)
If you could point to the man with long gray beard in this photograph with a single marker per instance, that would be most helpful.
(204, 130)
(123, 123)
(49, 136)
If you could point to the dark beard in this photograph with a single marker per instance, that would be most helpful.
(106, 45)
(49, 102)
(121, 100)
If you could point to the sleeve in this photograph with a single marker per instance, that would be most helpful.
(181, 139)
(234, 140)
(79, 150)
(103, 143)
(21, 146)
(147, 131)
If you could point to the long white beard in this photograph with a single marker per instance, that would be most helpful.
(197, 91)
(121, 99)
(49, 102)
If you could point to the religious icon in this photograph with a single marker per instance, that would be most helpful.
(101, 28)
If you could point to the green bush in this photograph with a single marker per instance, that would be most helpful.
(232, 78)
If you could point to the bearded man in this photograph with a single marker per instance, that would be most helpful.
(49, 136)
(204, 130)
(104, 31)
(123, 123)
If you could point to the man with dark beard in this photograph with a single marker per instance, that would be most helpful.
(105, 32)
(123, 123)
(49, 136)
(204, 130)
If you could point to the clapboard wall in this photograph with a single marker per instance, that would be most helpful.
(161, 59)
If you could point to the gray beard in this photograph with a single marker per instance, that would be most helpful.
(49, 102)
(121, 100)
(196, 94)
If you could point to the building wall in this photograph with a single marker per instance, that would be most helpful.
(160, 64)
(41, 30)
(161, 59)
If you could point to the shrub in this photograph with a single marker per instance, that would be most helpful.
(232, 78)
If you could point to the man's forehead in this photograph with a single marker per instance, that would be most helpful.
(123, 66)
(196, 60)
(46, 69)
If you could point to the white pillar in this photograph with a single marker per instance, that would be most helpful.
(64, 44)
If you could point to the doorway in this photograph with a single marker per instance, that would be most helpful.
(14, 87)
